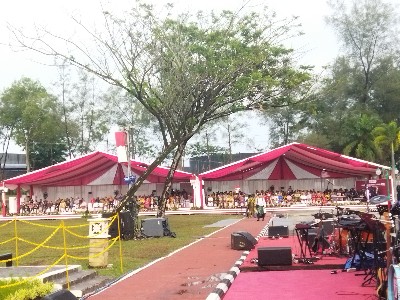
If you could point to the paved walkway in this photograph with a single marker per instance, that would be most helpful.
(191, 273)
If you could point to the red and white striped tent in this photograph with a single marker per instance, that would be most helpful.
(298, 165)
(96, 173)
(96, 168)
(293, 161)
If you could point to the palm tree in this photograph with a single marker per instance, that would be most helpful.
(387, 138)
(360, 138)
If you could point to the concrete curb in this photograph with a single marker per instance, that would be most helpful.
(221, 289)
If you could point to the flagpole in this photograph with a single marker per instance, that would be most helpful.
(128, 149)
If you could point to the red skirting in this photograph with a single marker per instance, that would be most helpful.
(300, 284)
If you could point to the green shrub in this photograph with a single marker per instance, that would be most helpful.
(31, 290)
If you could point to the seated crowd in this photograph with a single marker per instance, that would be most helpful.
(280, 198)
(32, 206)
(182, 199)
(176, 199)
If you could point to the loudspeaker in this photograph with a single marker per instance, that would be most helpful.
(155, 227)
(248, 236)
(113, 226)
(242, 240)
(278, 231)
(60, 295)
(126, 225)
(274, 256)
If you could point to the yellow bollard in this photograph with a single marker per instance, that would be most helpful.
(98, 243)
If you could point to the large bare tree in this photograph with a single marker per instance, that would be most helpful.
(186, 70)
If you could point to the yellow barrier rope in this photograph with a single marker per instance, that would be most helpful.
(9, 240)
(25, 279)
(105, 229)
(97, 254)
(58, 248)
(16, 239)
(77, 226)
(39, 225)
(120, 244)
(6, 223)
(65, 254)
(75, 234)
(39, 246)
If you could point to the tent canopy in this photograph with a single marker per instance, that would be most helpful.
(293, 161)
(96, 168)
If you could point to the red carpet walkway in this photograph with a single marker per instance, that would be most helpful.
(192, 273)
(195, 272)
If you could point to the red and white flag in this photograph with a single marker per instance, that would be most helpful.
(120, 142)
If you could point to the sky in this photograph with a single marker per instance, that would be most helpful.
(318, 46)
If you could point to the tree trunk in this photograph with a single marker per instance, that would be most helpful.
(28, 165)
(67, 136)
(208, 151)
(230, 143)
(168, 181)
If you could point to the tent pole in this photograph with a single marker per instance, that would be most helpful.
(201, 187)
(3, 203)
(18, 198)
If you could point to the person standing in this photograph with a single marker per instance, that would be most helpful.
(251, 203)
(260, 205)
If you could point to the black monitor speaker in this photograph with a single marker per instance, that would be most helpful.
(274, 256)
(242, 240)
(278, 231)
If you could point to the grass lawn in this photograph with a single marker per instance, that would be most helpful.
(136, 253)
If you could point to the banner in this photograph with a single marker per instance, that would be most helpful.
(121, 142)
(376, 186)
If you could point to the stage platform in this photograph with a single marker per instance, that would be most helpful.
(319, 261)
(302, 257)
(318, 275)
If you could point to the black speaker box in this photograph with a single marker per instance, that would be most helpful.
(274, 256)
(242, 240)
(248, 236)
(155, 227)
(278, 231)
(126, 225)
(60, 295)
(113, 226)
